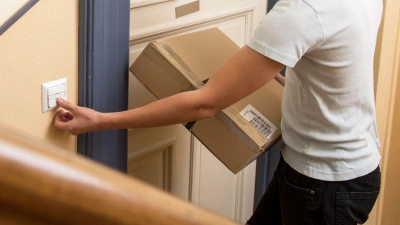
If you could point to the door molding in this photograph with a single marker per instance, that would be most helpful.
(103, 75)
(193, 22)
(152, 148)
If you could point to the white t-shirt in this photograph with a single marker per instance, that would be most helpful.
(329, 122)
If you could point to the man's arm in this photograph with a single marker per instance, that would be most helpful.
(239, 76)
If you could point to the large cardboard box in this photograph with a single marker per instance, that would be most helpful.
(237, 134)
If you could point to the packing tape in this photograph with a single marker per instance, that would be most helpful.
(178, 63)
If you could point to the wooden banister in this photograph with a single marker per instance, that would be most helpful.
(43, 184)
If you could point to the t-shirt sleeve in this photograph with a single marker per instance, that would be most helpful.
(288, 32)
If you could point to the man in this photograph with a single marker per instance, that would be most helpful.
(329, 169)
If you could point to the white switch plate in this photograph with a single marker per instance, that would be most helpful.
(57, 91)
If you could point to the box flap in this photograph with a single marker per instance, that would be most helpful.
(204, 51)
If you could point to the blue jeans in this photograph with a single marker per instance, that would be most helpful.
(295, 199)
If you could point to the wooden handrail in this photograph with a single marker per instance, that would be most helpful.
(43, 184)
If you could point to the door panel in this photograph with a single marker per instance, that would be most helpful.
(196, 174)
(153, 168)
(178, 139)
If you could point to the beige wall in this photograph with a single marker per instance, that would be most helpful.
(41, 46)
(388, 114)
(391, 203)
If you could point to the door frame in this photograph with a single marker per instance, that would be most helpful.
(103, 75)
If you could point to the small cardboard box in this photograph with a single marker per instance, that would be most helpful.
(238, 134)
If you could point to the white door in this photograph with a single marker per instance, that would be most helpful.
(170, 157)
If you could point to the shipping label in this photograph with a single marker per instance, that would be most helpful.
(258, 121)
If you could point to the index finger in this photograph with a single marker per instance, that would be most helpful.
(65, 104)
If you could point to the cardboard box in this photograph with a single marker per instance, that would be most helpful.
(170, 66)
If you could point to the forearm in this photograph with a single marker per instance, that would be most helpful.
(244, 73)
(183, 107)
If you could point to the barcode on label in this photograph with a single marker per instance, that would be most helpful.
(258, 121)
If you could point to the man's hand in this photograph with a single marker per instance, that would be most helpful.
(281, 79)
(76, 120)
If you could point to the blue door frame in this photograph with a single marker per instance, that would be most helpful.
(103, 75)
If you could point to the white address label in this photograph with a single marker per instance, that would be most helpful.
(258, 121)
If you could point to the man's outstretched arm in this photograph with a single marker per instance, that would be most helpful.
(239, 76)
